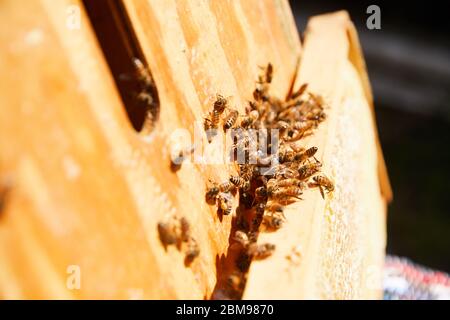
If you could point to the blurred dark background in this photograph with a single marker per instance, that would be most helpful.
(408, 62)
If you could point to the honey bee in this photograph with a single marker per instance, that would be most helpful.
(286, 172)
(230, 119)
(288, 183)
(235, 281)
(226, 186)
(169, 232)
(273, 206)
(308, 170)
(260, 251)
(248, 120)
(220, 104)
(273, 220)
(212, 192)
(308, 153)
(142, 73)
(322, 182)
(241, 237)
(238, 181)
(267, 75)
(287, 193)
(225, 201)
(192, 250)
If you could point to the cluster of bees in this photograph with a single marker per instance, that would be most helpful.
(177, 231)
(272, 174)
(269, 179)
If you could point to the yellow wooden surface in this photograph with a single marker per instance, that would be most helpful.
(88, 190)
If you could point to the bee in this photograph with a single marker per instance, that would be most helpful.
(225, 201)
(322, 182)
(241, 237)
(268, 74)
(287, 193)
(169, 232)
(273, 220)
(143, 73)
(308, 170)
(220, 104)
(248, 120)
(273, 206)
(289, 182)
(286, 172)
(212, 192)
(261, 192)
(226, 186)
(230, 120)
(238, 181)
(192, 250)
(285, 155)
(235, 281)
(246, 199)
(308, 153)
(260, 251)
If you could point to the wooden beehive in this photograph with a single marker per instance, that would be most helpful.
(88, 190)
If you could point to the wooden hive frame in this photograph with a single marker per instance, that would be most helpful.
(87, 190)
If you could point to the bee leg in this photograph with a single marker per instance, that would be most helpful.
(321, 191)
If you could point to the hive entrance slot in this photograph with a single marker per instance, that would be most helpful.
(126, 61)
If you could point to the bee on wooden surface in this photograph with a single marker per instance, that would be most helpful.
(226, 186)
(248, 120)
(322, 182)
(273, 220)
(230, 119)
(142, 73)
(286, 172)
(308, 170)
(260, 251)
(308, 153)
(212, 192)
(283, 194)
(287, 183)
(246, 199)
(225, 201)
(261, 192)
(169, 232)
(235, 281)
(274, 206)
(238, 181)
(241, 237)
(220, 104)
(267, 75)
(192, 250)
(259, 214)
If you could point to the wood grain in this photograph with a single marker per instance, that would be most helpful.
(87, 189)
